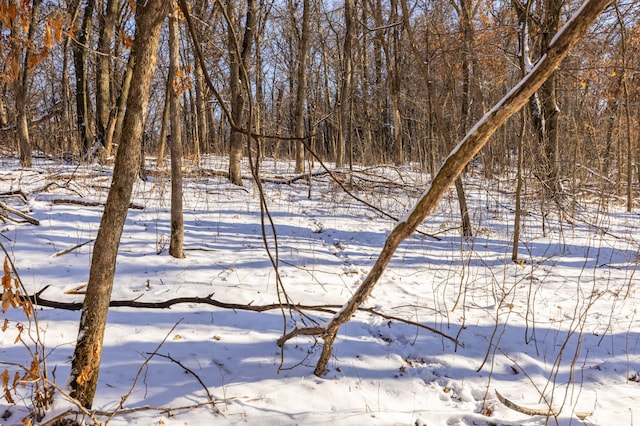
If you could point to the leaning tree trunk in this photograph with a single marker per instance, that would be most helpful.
(435, 109)
(451, 169)
(86, 358)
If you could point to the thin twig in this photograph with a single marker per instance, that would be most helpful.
(188, 370)
(70, 249)
(144, 364)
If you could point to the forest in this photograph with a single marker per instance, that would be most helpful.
(499, 140)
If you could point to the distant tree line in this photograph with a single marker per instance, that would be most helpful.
(358, 81)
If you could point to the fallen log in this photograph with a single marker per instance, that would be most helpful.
(5, 208)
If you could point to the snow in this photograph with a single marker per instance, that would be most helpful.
(563, 324)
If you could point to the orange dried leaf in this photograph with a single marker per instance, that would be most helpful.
(127, 42)
(25, 23)
(7, 300)
(5, 325)
(48, 36)
(58, 26)
(4, 16)
(6, 282)
(32, 60)
(12, 11)
(34, 370)
(7, 396)
(5, 378)
(16, 379)
(13, 67)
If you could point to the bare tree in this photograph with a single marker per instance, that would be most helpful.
(176, 241)
(86, 358)
(104, 115)
(344, 119)
(302, 40)
(627, 108)
(80, 53)
(23, 67)
(239, 54)
(453, 166)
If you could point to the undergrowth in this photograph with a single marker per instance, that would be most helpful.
(23, 382)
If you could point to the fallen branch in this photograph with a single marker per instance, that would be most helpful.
(547, 412)
(15, 194)
(18, 213)
(57, 420)
(36, 299)
(70, 249)
(89, 203)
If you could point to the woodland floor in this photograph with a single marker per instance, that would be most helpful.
(562, 326)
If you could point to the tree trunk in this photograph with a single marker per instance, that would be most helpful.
(201, 115)
(435, 109)
(86, 359)
(115, 126)
(103, 70)
(239, 68)
(22, 84)
(627, 109)
(80, 50)
(453, 166)
(344, 131)
(176, 241)
(393, 67)
(301, 88)
(164, 126)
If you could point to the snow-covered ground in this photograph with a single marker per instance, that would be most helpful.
(562, 326)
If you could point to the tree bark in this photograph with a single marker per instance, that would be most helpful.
(86, 359)
(344, 130)
(80, 50)
(453, 166)
(103, 70)
(115, 126)
(166, 110)
(393, 67)
(22, 84)
(176, 241)
(301, 88)
(239, 68)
